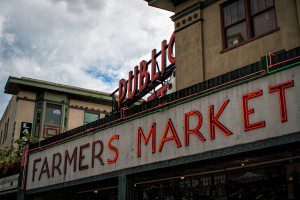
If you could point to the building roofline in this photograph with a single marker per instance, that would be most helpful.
(14, 85)
(170, 5)
(162, 4)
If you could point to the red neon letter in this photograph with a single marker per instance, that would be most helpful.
(34, 168)
(45, 169)
(163, 56)
(171, 49)
(247, 112)
(144, 75)
(281, 95)
(173, 137)
(151, 133)
(154, 74)
(122, 91)
(131, 92)
(195, 131)
(213, 121)
(113, 148)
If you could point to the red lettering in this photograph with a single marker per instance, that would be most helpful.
(70, 160)
(151, 133)
(81, 157)
(122, 91)
(45, 169)
(162, 91)
(113, 148)
(280, 89)
(247, 112)
(154, 74)
(131, 92)
(98, 155)
(213, 121)
(171, 49)
(163, 57)
(54, 165)
(144, 75)
(174, 136)
(34, 167)
(194, 131)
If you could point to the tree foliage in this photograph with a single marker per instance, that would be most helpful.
(10, 158)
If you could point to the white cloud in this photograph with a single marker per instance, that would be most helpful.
(1, 25)
(60, 40)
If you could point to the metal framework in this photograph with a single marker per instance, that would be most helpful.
(151, 86)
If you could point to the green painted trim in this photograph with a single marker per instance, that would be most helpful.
(122, 187)
(98, 111)
(283, 68)
(14, 82)
(168, 5)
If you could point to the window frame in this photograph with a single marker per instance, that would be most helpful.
(1, 137)
(61, 114)
(90, 112)
(6, 126)
(249, 26)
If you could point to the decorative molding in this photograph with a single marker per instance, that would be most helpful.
(186, 12)
(54, 128)
(187, 17)
(89, 109)
(25, 99)
(208, 3)
(183, 27)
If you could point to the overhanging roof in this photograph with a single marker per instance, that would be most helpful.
(163, 4)
(14, 85)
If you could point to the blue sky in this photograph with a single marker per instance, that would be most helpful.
(90, 44)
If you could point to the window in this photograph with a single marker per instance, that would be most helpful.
(263, 17)
(244, 20)
(90, 117)
(5, 130)
(66, 118)
(53, 114)
(12, 134)
(1, 140)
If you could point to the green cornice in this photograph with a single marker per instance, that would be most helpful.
(170, 5)
(14, 85)
(162, 4)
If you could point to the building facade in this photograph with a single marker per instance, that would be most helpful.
(215, 37)
(230, 131)
(49, 108)
(45, 109)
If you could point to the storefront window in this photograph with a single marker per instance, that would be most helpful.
(269, 182)
(90, 117)
(53, 114)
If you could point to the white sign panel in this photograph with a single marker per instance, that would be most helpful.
(264, 108)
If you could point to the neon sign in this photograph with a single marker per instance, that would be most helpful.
(106, 152)
(140, 81)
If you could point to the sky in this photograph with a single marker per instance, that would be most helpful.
(85, 43)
